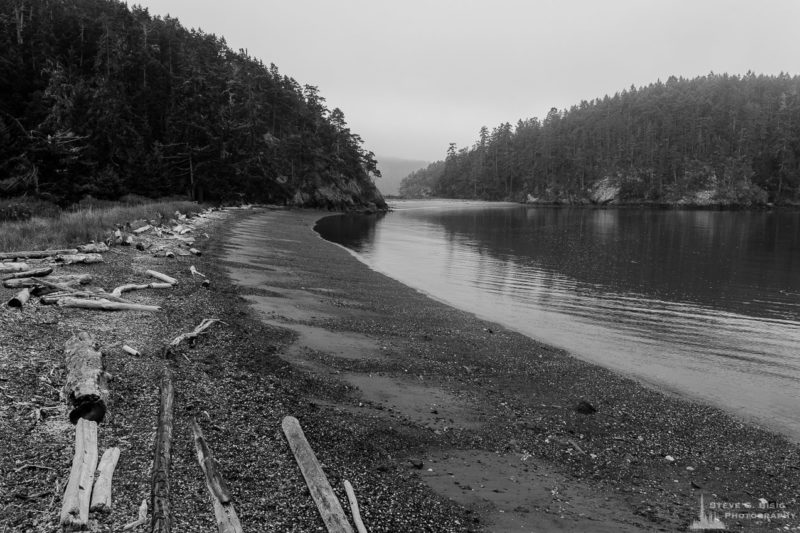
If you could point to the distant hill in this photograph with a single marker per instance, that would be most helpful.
(712, 140)
(393, 170)
(101, 99)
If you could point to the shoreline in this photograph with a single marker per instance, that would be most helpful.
(626, 443)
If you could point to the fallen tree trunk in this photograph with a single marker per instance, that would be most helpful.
(12, 267)
(75, 507)
(134, 287)
(327, 504)
(93, 248)
(20, 299)
(161, 519)
(162, 277)
(57, 282)
(227, 520)
(101, 493)
(105, 305)
(71, 259)
(37, 254)
(32, 273)
(86, 387)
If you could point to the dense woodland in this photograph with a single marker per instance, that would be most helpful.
(100, 99)
(716, 139)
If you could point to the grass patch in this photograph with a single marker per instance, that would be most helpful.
(82, 225)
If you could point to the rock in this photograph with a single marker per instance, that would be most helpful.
(416, 463)
(604, 191)
(585, 408)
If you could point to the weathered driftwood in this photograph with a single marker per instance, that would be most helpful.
(101, 493)
(104, 305)
(139, 231)
(132, 351)
(20, 299)
(199, 330)
(93, 248)
(162, 277)
(328, 505)
(227, 520)
(195, 251)
(127, 240)
(13, 267)
(351, 496)
(86, 387)
(138, 287)
(182, 253)
(36, 254)
(161, 519)
(53, 297)
(56, 282)
(196, 272)
(31, 273)
(75, 507)
(140, 520)
(71, 259)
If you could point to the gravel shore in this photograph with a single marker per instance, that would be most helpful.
(441, 421)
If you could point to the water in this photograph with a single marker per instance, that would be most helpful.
(703, 303)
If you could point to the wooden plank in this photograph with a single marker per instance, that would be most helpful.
(75, 508)
(327, 504)
(161, 519)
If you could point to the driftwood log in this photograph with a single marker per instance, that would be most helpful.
(75, 507)
(86, 387)
(52, 298)
(31, 273)
(104, 305)
(327, 504)
(13, 267)
(37, 254)
(146, 227)
(140, 520)
(20, 299)
(161, 519)
(57, 282)
(162, 277)
(195, 251)
(199, 330)
(101, 493)
(93, 248)
(72, 259)
(224, 512)
(131, 351)
(351, 496)
(196, 272)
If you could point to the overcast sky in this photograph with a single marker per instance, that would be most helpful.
(412, 76)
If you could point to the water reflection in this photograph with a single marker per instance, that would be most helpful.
(704, 302)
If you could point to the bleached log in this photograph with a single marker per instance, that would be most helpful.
(32, 273)
(195, 251)
(162, 277)
(161, 519)
(185, 231)
(182, 253)
(143, 229)
(86, 387)
(56, 282)
(101, 493)
(327, 504)
(132, 351)
(20, 299)
(36, 254)
(227, 520)
(199, 330)
(93, 248)
(13, 267)
(53, 297)
(104, 305)
(196, 272)
(75, 507)
(71, 259)
(138, 287)
(351, 496)
(140, 520)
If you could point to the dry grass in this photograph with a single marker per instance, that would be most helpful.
(83, 225)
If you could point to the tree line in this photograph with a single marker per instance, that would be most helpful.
(103, 100)
(722, 139)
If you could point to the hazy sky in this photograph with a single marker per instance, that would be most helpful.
(412, 76)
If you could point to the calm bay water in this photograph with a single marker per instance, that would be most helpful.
(703, 303)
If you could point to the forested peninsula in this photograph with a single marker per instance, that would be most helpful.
(99, 99)
(719, 139)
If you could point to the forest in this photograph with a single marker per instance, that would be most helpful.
(99, 99)
(712, 140)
